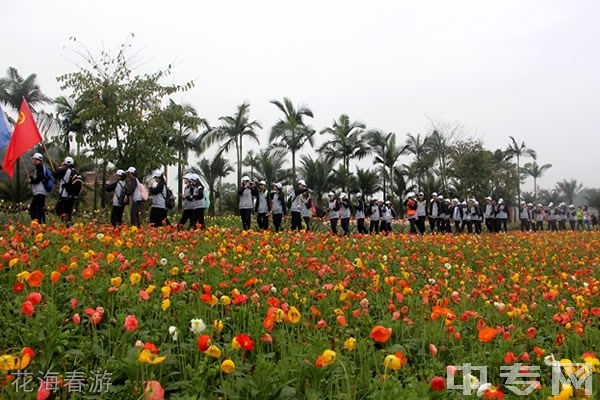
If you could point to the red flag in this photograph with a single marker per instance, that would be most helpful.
(24, 137)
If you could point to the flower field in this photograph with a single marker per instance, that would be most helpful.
(235, 315)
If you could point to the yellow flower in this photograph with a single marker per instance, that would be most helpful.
(235, 344)
(225, 300)
(147, 357)
(594, 362)
(116, 282)
(566, 392)
(213, 351)
(218, 325)
(150, 289)
(294, 315)
(166, 303)
(73, 265)
(133, 229)
(13, 262)
(110, 257)
(174, 271)
(394, 361)
(328, 357)
(279, 315)
(165, 291)
(39, 237)
(350, 344)
(135, 278)
(7, 362)
(65, 249)
(23, 276)
(228, 366)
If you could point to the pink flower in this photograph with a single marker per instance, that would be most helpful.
(451, 370)
(76, 319)
(144, 295)
(433, 350)
(321, 324)
(73, 302)
(154, 391)
(34, 298)
(43, 393)
(131, 323)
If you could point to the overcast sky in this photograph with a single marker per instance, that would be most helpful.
(529, 69)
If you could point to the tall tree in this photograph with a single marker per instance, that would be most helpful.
(417, 146)
(367, 182)
(516, 150)
(232, 131)
(318, 174)
(346, 142)
(269, 165)
(439, 146)
(212, 171)
(184, 122)
(291, 131)
(69, 119)
(387, 152)
(536, 171)
(569, 189)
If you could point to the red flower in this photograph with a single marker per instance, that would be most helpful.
(18, 287)
(34, 297)
(27, 308)
(380, 334)
(35, 278)
(151, 347)
(531, 332)
(131, 323)
(203, 343)
(493, 393)
(438, 384)
(245, 342)
(510, 358)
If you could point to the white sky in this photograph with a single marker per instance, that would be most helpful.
(522, 68)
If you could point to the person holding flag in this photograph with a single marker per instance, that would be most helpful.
(24, 137)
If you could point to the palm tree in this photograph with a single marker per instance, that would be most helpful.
(569, 189)
(318, 173)
(517, 151)
(268, 165)
(291, 130)
(212, 171)
(234, 128)
(346, 143)
(417, 146)
(439, 147)
(14, 88)
(70, 122)
(185, 122)
(367, 182)
(387, 153)
(535, 171)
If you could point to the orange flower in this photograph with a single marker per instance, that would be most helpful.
(35, 278)
(54, 276)
(443, 312)
(380, 334)
(487, 334)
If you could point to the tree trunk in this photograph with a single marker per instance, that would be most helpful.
(102, 197)
(294, 167)
(179, 181)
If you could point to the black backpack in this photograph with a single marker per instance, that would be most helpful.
(74, 184)
(169, 199)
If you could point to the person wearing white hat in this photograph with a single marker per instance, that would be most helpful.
(411, 206)
(537, 215)
(278, 206)
(562, 216)
(39, 185)
(525, 217)
(158, 193)
(456, 212)
(475, 215)
(433, 212)
(333, 211)
(421, 212)
(552, 214)
(360, 214)
(64, 176)
(345, 213)
(246, 194)
(118, 200)
(199, 202)
(501, 216)
(295, 205)
(188, 203)
(135, 192)
(306, 209)
(489, 213)
(374, 215)
(262, 206)
(572, 217)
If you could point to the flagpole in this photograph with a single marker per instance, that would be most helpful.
(47, 155)
(24, 166)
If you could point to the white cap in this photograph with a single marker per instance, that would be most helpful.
(157, 173)
(358, 194)
(421, 194)
(195, 177)
(529, 204)
(278, 185)
(330, 194)
(463, 203)
(388, 202)
(38, 156)
(187, 176)
(434, 194)
(131, 170)
(410, 194)
(488, 198)
(262, 183)
(539, 205)
(120, 172)
(245, 178)
(343, 195)
(302, 182)
(571, 206)
(69, 161)
(550, 204)
(441, 197)
(500, 201)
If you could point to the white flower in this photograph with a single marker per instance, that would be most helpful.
(100, 236)
(473, 381)
(550, 360)
(181, 255)
(585, 284)
(273, 290)
(483, 388)
(431, 281)
(197, 326)
(173, 332)
(448, 266)
(500, 306)
(163, 261)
